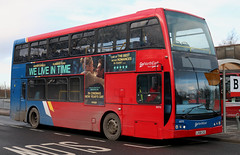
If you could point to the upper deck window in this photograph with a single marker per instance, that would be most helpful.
(83, 43)
(58, 47)
(21, 53)
(112, 38)
(188, 33)
(38, 50)
(146, 33)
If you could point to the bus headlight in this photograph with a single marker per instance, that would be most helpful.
(180, 126)
(217, 123)
(176, 126)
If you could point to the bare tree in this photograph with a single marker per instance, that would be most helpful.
(231, 39)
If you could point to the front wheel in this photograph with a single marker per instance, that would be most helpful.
(112, 126)
(34, 118)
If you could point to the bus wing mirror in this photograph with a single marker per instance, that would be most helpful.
(213, 77)
(159, 67)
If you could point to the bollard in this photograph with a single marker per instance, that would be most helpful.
(238, 122)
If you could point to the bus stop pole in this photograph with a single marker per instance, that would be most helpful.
(224, 101)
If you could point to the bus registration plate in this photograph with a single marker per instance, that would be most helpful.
(202, 132)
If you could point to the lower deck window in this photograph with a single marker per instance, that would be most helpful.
(76, 89)
(149, 88)
(36, 89)
(57, 89)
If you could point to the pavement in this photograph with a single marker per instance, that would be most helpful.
(232, 134)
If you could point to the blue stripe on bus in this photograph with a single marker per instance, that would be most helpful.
(183, 124)
(44, 118)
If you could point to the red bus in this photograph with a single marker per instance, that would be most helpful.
(152, 74)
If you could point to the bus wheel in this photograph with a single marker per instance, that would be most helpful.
(34, 118)
(112, 126)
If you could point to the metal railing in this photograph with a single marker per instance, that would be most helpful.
(4, 103)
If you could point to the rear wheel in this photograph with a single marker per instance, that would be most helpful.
(34, 118)
(112, 126)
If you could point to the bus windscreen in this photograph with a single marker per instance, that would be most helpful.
(188, 33)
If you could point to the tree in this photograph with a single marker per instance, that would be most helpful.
(231, 39)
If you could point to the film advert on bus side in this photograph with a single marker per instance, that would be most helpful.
(92, 67)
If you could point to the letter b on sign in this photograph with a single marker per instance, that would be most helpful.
(234, 83)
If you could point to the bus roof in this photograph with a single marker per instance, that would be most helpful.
(136, 16)
(185, 13)
(117, 20)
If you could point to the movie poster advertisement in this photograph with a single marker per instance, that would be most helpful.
(49, 68)
(121, 62)
(93, 69)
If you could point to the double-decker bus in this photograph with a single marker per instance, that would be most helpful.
(152, 74)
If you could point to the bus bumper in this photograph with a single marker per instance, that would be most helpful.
(197, 132)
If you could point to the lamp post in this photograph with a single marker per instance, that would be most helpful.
(224, 101)
(5, 89)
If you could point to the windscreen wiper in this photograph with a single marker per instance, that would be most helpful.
(191, 109)
(215, 112)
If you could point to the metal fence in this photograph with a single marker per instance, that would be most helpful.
(4, 103)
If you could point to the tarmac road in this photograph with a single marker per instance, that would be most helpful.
(19, 138)
(19, 135)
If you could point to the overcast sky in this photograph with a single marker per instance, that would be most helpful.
(25, 18)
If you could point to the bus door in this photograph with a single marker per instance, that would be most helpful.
(148, 114)
(23, 105)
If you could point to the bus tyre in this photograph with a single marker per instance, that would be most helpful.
(34, 118)
(112, 126)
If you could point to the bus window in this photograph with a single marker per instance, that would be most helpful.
(24, 90)
(58, 47)
(57, 89)
(149, 88)
(76, 89)
(146, 33)
(38, 50)
(167, 97)
(36, 89)
(83, 43)
(21, 53)
(194, 36)
(112, 38)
